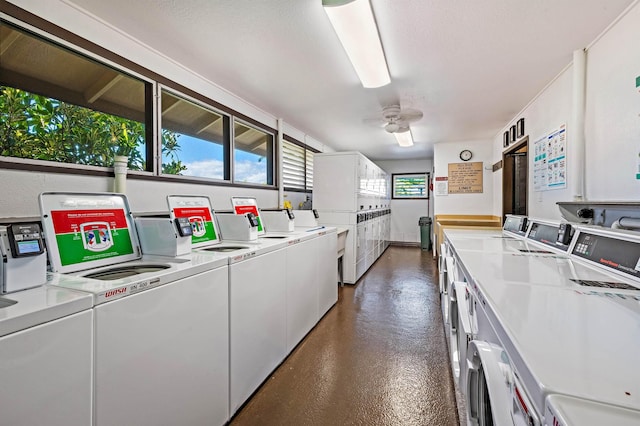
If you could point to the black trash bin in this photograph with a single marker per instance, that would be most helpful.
(425, 232)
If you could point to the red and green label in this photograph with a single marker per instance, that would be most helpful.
(250, 209)
(201, 223)
(89, 235)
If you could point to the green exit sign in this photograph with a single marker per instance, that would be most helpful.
(638, 81)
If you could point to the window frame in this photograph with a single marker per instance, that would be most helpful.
(306, 148)
(26, 21)
(272, 166)
(73, 168)
(425, 175)
(226, 137)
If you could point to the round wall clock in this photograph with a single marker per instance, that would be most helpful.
(465, 155)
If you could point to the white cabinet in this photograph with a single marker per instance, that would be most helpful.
(351, 191)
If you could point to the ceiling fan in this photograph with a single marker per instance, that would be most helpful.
(395, 119)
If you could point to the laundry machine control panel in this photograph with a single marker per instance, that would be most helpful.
(25, 239)
(556, 236)
(621, 255)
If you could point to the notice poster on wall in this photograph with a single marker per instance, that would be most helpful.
(550, 161)
(442, 186)
(89, 235)
(465, 178)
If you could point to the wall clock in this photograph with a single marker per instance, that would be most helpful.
(465, 155)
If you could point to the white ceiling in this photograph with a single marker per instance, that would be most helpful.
(469, 66)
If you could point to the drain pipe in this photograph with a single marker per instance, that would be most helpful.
(626, 223)
(279, 168)
(578, 124)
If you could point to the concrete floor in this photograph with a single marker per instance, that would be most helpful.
(378, 357)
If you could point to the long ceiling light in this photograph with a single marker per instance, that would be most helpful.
(355, 25)
(405, 138)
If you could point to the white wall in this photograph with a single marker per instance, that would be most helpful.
(449, 152)
(546, 113)
(20, 190)
(144, 196)
(405, 213)
(612, 129)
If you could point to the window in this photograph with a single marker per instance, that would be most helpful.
(252, 155)
(57, 105)
(410, 186)
(297, 166)
(193, 139)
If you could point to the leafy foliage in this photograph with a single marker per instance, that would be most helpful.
(42, 128)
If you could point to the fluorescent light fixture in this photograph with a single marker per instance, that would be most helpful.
(405, 138)
(355, 25)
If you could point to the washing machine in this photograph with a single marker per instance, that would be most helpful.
(46, 337)
(554, 330)
(160, 323)
(46, 363)
(257, 298)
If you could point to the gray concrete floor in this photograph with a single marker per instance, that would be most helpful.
(379, 356)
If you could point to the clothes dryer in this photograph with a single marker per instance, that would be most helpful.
(557, 324)
(147, 310)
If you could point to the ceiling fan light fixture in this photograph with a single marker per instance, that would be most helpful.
(392, 127)
(404, 138)
(355, 25)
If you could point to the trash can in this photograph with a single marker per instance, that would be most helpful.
(425, 232)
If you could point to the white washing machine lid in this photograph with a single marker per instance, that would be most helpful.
(565, 411)
(548, 270)
(88, 230)
(148, 272)
(501, 245)
(29, 308)
(244, 205)
(201, 216)
(466, 233)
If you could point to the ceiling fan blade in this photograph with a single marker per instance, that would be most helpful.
(408, 115)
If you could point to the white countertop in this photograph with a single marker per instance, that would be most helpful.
(41, 304)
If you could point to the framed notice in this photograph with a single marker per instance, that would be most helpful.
(465, 178)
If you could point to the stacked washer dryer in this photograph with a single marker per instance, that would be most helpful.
(159, 322)
(547, 328)
(46, 337)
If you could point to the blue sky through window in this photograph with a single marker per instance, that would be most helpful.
(206, 159)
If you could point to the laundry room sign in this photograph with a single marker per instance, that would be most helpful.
(465, 178)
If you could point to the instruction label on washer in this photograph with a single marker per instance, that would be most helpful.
(88, 235)
(201, 223)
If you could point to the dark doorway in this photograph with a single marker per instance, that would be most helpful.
(515, 178)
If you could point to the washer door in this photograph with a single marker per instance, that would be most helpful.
(449, 278)
(488, 384)
(459, 331)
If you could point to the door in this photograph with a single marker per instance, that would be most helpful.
(515, 177)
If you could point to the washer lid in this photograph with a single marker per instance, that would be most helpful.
(200, 214)
(88, 230)
(563, 410)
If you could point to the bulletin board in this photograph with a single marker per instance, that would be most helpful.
(465, 178)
